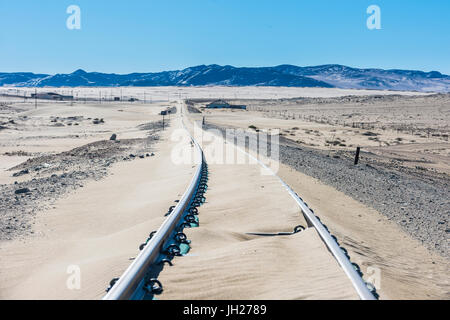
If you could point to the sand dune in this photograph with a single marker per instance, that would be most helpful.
(98, 228)
(225, 263)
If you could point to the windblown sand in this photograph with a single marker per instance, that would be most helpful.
(100, 226)
(226, 263)
(97, 228)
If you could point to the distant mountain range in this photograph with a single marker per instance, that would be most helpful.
(327, 76)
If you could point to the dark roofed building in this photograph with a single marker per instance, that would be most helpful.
(221, 104)
(218, 104)
(51, 96)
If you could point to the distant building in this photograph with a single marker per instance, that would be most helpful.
(218, 104)
(221, 104)
(51, 96)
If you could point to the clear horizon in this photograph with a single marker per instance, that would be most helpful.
(155, 36)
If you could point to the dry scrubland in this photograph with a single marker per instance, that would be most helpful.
(398, 194)
(50, 150)
(404, 141)
(164, 94)
(87, 200)
(71, 195)
(56, 148)
(413, 131)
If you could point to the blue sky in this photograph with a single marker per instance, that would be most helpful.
(154, 35)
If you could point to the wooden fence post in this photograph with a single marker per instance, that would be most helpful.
(358, 149)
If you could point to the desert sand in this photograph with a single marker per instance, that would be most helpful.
(166, 94)
(411, 129)
(98, 227)
(226, 263)
(408, 269)
(100, 223)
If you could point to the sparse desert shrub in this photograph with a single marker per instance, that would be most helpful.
(333, 142)
(370, 134)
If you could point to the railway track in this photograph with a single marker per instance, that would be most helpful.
(139, 281)
(365, 291)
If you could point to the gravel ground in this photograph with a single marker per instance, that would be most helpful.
(51, 176)
(420, 205)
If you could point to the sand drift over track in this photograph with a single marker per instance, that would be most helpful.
(242, 234)
(163, 245)
(225, 253)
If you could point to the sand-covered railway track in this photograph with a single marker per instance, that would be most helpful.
(140, 280)
(163, 245)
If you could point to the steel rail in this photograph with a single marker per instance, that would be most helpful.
(358, 283)
(130, 284)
